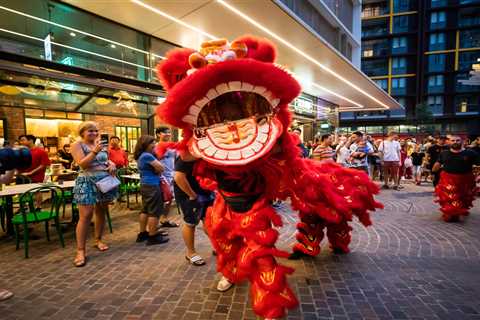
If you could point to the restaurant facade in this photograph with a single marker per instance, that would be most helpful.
(60, 65)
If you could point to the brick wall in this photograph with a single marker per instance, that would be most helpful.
(15, 122)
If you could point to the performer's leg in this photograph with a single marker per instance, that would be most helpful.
(269, 289)
(339, 236)
(309, 235)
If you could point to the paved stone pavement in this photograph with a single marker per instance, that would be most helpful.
(408, 265)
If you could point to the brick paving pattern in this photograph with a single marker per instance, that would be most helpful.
(408, 265)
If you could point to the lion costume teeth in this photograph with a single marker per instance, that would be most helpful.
(231, 100)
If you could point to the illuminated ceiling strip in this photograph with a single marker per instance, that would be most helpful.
(339, 96)
(303, 54)
(77, 49)
(165, 15)
(80, 31)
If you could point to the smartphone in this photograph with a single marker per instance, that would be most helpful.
(104, 138)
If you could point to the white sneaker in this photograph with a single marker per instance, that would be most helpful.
(224, 284)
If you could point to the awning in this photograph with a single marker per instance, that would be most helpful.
(322, 71)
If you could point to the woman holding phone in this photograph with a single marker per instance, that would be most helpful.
(90, 153)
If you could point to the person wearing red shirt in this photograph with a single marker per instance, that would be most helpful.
(40, 160)
(116, 154)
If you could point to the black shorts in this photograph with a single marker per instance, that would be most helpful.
(193, 211)
(152, 200)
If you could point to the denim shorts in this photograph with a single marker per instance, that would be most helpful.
(86, 192)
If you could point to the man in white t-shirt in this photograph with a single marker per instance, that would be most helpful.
(343, 153)
(390, 150)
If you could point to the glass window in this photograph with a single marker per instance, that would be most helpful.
(470, 38)
(469, 16)
(374, 27)
(105, 46)
(371, 114)
(398, 83)
(436, 80)
(467, 104)
(467, 59)
(438, 20)
(128, 136)
(436, 62)
(375, 67)
(435, 84)
(399, 45)
(438, 3)
(368, 53)
(347, 115)
(399, 65)
(399, 86)
(374, 10)
(435, 103)
(382, 83)
(402, 5)
(437, 41)
(400, 24)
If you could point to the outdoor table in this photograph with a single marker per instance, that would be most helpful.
(63, 173)
(9, 191)
(134, 177)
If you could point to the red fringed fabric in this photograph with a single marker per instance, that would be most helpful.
(245, 246)
(455, 194)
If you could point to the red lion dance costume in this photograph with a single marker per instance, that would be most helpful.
(455, 195)
(231, 100)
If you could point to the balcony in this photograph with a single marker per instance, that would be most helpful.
(460, 88)
(375, 48)
(375, 27)
(438, 3)
(404, 5)
(466, 105)
(374, 11)
(469, 17)
(374, 68)
(373, 32)
(470, 38)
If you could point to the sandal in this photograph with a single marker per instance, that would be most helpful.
(80, 261)
(101, 246)
(5, 294)
(195, 260)
(169, 224)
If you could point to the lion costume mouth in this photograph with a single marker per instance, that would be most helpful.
(234, 127)
(230, 114)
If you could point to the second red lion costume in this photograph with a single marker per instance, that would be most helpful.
(231, 100)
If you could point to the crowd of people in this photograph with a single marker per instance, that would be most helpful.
(392, 159)
(165, 176)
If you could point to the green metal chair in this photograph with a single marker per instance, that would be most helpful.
(76, 213)
(28, 214)
(127, 186)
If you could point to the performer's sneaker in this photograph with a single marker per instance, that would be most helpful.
(296, 255)
(224, 284)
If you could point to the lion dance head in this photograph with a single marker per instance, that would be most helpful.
(230, 99)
